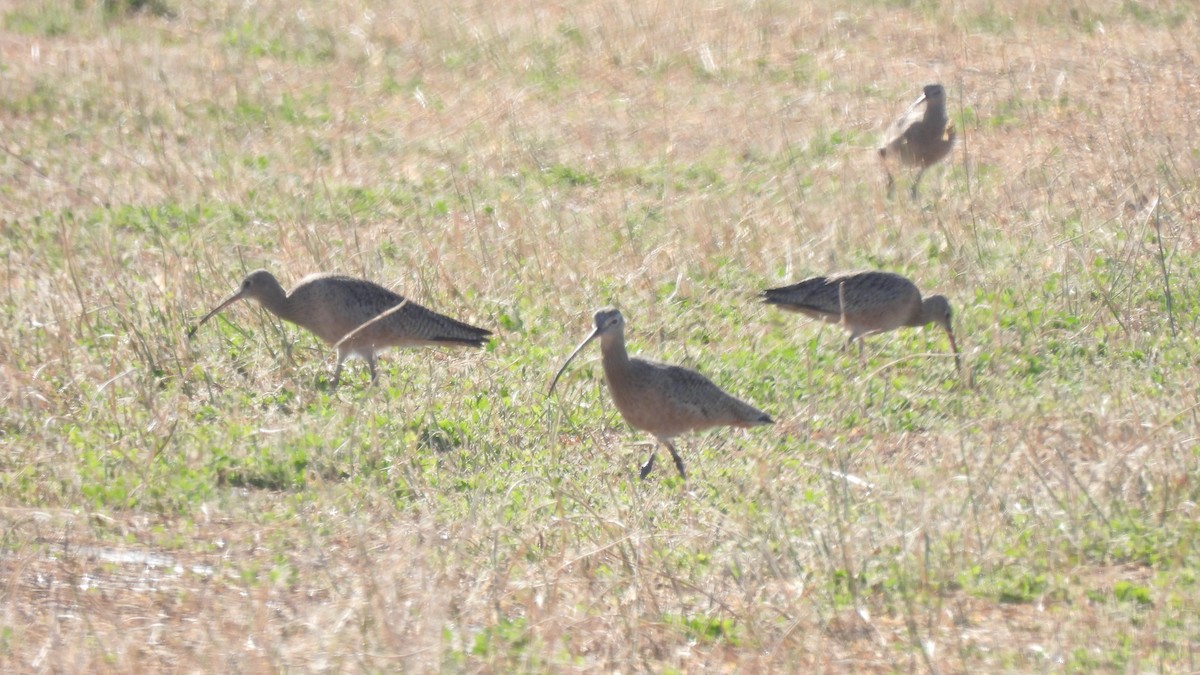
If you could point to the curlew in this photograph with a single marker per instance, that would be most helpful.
(355, 316)
(919, 137)
(865, 303)
(661, 399)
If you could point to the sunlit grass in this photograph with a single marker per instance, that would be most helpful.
(212, 503)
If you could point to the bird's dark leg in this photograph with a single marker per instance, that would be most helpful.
(677, 458)
(891, 183)
(371, 363)
(649, 465)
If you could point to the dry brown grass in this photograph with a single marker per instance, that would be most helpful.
(168, 504)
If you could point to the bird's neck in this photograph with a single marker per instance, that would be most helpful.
(274, 300)
(614, 356)
(923, 317)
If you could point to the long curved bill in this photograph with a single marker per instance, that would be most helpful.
(919, 101)
(224, 303)
(370, 322)
(583, 344)
(954, 346)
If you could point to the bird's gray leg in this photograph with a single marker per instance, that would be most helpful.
(856, 336)
(337, 372)
(891, 182)
(677, 458)
(371, 362)
(649, 465)
(916, 182)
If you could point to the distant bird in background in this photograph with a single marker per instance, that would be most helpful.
(356, 316)
(865, 303)
(920, 137)
(661, 399)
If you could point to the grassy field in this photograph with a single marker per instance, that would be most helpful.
(213, 504)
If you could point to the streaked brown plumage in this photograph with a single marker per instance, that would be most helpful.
(865, 302)
(662, 399)
(332, 307)
(919, 137)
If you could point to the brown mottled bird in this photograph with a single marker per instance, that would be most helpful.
(920, 137)
(356, 316)
(865, 302)
(662, 399)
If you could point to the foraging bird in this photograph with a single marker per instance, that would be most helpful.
(356, 316)
(919, 137)
(662, 399)
(865, 302)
